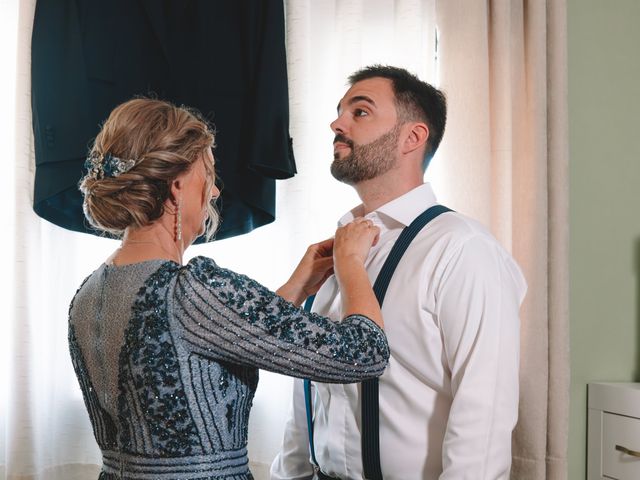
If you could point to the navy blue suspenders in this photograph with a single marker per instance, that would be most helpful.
(307, 397)
(370, 419)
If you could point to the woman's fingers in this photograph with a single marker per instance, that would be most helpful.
(356, 238)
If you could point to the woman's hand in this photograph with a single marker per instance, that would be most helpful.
(354, 240)
(314, 268)
(350, 250)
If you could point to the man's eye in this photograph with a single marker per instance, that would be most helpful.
(358, 112)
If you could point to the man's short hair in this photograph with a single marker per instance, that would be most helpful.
(415, 101)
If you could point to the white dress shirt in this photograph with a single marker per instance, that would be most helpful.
(449, 397)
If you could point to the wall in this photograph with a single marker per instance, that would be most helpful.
(604, 136)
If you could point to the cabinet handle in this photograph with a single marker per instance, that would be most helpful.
(622, 449)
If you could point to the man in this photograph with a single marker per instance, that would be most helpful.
(448, 401)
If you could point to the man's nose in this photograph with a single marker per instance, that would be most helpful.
(338, 125)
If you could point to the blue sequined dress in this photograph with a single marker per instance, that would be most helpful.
(167, 357)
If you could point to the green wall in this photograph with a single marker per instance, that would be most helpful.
(604, 139)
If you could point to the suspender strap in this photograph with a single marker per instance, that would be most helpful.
(370, 416)
(370, 413)
(309, 407)
(370, 439)
(307, 396)
(406, 237)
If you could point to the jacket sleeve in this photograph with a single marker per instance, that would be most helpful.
(270, 152)
(229, 317)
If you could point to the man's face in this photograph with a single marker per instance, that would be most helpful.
(366, 132)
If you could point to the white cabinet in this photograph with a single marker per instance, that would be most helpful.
(613, 450)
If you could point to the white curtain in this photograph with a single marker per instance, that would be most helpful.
(44, 430)
(504, 160)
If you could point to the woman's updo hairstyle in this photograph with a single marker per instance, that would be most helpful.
(164, 141)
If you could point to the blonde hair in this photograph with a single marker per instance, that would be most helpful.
(165, 141)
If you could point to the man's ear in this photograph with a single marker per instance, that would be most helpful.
(416, 137)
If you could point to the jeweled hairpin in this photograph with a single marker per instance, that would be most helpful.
(101, 165)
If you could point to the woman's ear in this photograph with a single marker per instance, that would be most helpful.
(416, 138)
(176, 189)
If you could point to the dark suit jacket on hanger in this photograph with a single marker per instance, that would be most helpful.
(225, 58)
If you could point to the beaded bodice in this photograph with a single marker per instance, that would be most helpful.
(167, 357)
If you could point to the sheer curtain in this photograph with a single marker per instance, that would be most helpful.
(44, 430)
(505, 162)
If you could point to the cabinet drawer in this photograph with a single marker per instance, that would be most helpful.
(623, 431)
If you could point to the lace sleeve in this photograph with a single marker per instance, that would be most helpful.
(232, 318)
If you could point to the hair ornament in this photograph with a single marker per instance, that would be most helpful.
(101, 165)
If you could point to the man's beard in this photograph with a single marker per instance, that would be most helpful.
(368, 161)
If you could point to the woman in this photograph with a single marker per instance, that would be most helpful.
(167, 355)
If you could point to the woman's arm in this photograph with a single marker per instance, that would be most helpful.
(229, 317)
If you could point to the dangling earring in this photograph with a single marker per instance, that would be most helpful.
(178, 221)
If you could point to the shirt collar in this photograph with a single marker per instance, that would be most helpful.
(403, 209)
